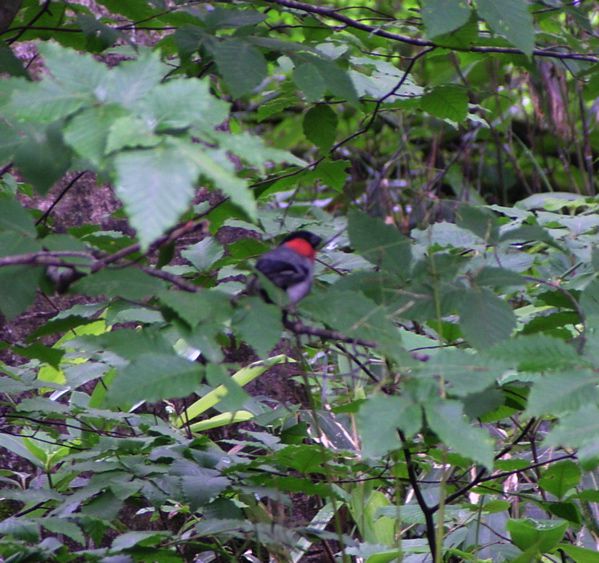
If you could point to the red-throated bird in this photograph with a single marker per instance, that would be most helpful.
(290, 266)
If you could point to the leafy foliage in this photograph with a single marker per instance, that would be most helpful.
(445, 362)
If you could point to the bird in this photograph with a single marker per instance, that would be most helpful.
(290, 266)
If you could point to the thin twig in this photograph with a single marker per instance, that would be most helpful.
(335, 15)
(48, 211)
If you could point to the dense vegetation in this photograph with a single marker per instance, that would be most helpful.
(434, 398)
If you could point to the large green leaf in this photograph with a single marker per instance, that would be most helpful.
(379, 418)
(560, 478)
(153, 377)
(259, 324)
(443, 16)
(87, 132)
(156, 187)
(129, 283)
(446, 102)
(556, 393)
(485, 319)
(320, 126)
(14, 217)
(43, 158)
(544, 534)
(380, 244)
(309, 80)
(241, 64)
(177, 104)
(447, 420)
(536, 352)
(511, 19)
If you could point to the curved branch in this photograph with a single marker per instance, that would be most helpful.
(335, 15)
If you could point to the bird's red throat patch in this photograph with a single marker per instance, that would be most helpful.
(302, 247)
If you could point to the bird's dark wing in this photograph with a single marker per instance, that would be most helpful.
(281, 273)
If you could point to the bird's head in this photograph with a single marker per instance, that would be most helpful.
(304, 243)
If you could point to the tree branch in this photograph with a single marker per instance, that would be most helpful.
(335, 15)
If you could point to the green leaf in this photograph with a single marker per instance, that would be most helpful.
(153, 377)
(131, 81)
(579, 554)
(576, 429)
(560, 478)
(337, 80)
(130, 132)
(204, 253)
(498, 277)
(382, 245)
(511, 19)
(309, 80)
(241, 64)
(129, 283)
(364, 319)
(219, 18)
(18, 284)
(14, 217)
(75, 71)
(480, 221)
(379, 418)
(10, 64)
(180, 103)
(332, 173)
(536, 352)
(259, 324)
(216, 166)
(156, 187)
(87, 132)
(443, 16)
(320, 126)
(485, 319)
(446, 102)
(545, 534)
(43, 158)
(209, 305)
(447, 420)
(62, 526)
(10, 140)
(464, 373)
(589, 298)
(556, 393)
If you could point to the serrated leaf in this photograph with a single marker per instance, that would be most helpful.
(537, 352)
(75, 71)
(379, 418)
(485, 319)
(129, 283)
(464, 373)
(204, 253)
(13, 217)
(320, 126)
(511, 19)
(364, 319)
(130, 132)
(446, 102)
(156, 187)
(309, 80)
(153, 377)
(86, 133)
(259, 324)
(443, 16)
(177, 104)
(382, 245)
(447, 420)
(209, 305)
(131, 81)
(560, 478)
(576, 428)
(10, 140)
(62, 526)
(43, 158)
(216, 166)
(18, 284)
(332, 173)
(556, 393)
(219, 18)
(241, 64)
(337, 80)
